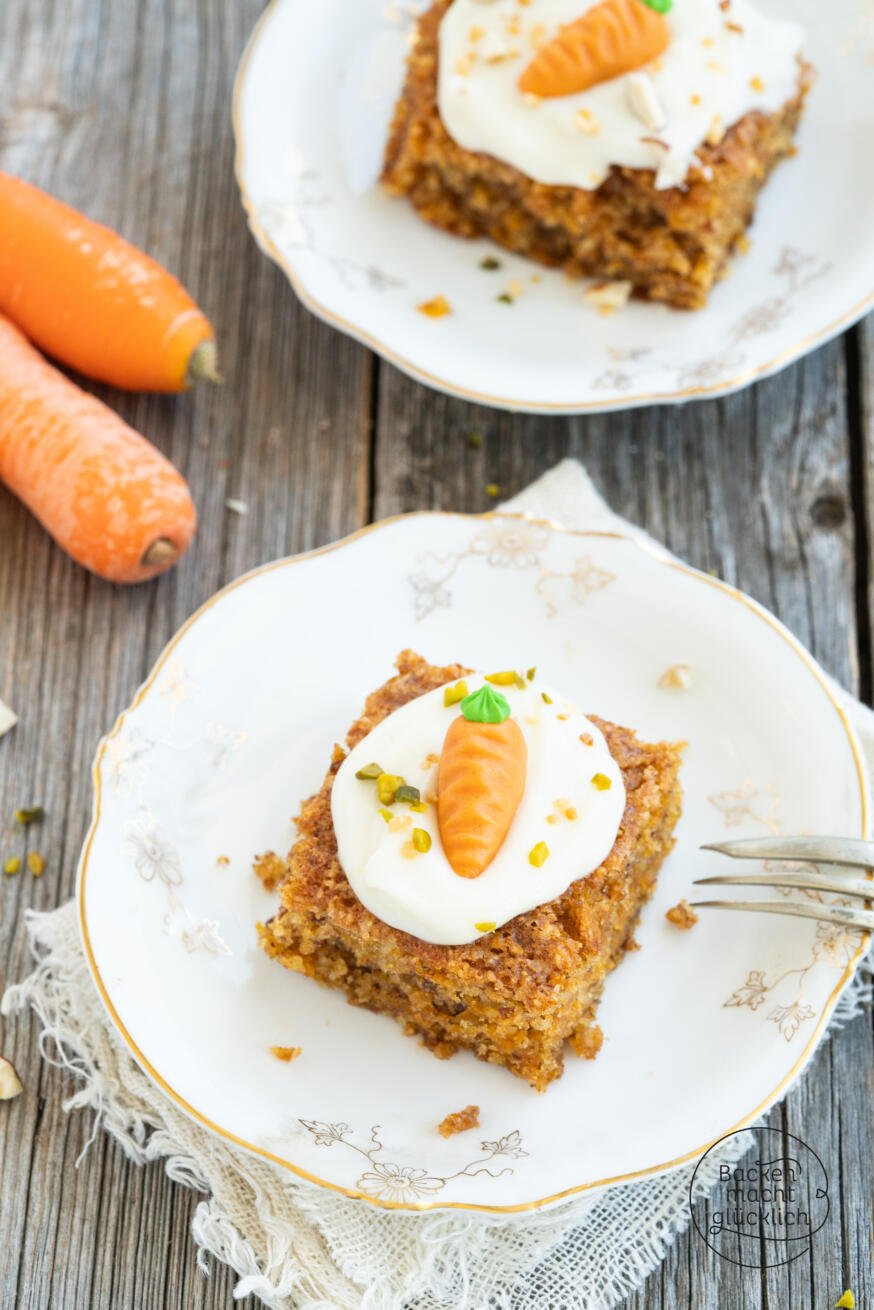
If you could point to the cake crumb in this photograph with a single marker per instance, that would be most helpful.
(587, 1042)
(270, 869)
(682, 915)
(459, 1122)
(632, 944)
(286, 1053)
(223, 860)
(437, 307)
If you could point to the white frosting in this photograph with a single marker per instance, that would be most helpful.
(708, 78)
(422, 894)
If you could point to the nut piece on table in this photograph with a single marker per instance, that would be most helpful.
(10, 1083)
(7, 718)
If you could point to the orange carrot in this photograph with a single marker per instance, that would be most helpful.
(480, 781)
(613, 38)
(107, 496)
(94, 302)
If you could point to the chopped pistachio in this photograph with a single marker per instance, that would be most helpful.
(452, 695)
(29, 814)
(505, 679)
(485, 927)
(386, 787)
(519, 681)
(490, 264)
(546, 698)
(370, 772)
(411, 795)
(36, 864)
(387, 815)
(602, 782)
(505, 299)
(538, 854)
(421, 840)
(847, 1301)
(475, 439)
(8, 720)
(493, 490)
(419, 806)
(13, 866)
(532, 673)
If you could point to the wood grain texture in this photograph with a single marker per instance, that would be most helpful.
(123, 109)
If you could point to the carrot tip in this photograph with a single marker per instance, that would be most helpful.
(203, 365)
(161, 554)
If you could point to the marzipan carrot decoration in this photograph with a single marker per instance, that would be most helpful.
(613, 38)
(480, 781)
(94, 302)
(107, 496)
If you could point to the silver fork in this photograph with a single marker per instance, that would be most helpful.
(839, 852)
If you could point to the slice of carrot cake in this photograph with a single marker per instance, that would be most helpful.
(625, 140)
(475, 863)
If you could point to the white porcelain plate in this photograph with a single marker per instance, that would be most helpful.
(312, 105)
(236, 724)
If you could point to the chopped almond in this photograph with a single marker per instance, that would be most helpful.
(10, 1083)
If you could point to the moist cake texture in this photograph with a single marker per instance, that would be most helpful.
(670, 244)
(517, 995)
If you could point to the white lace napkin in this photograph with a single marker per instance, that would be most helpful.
(294, 1245)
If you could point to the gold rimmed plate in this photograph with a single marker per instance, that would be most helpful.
(235, 725)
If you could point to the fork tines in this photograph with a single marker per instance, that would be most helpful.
(839, 852)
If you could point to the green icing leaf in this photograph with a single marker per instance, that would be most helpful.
(486, 706)
(660, 6)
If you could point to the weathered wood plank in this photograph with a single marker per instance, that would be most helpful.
(123, 110)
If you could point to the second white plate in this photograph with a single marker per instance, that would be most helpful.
(313, 100)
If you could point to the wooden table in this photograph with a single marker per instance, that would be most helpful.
(122, 107)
